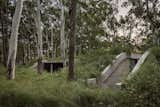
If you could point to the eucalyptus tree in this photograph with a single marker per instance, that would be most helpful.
(90, 28)
(13, 40)
(40, 38)
(49, 19)
(27, 38)
(72, 30)
(5, 22)
(62, 33)
(53, 17)
(147, 11)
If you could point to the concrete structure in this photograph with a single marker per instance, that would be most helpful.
(118, 70)
(138, 65)
(115, 73)
(49, 66)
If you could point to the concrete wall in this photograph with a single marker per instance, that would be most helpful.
(138, 65)
(118, 75)
(117, 71)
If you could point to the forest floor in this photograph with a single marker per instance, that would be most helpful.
(30, 89)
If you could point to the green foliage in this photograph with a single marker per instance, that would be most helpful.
(99, 98)
(90, 18)
(143, 89)
(92, 64)
(30, 89)
(116, 50)
(33, 90)
(156, 51)
(146, 10)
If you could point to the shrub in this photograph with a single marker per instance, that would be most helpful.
(97, 98)
(92, 64)
(156, 52)
(116, 50)
(143, 89)
(32, 90)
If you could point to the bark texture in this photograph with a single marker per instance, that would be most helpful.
(39, 33)
(13, 40)
(72, 21)
(63, 40)
(52, 43)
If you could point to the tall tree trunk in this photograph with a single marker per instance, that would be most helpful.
(147, 6)
(13, 40)
(28, 51)
(39, 32)
(52, 43)
(154, 24)
(55, 50)
(63, 41)
(47, 43)
(130, 32)
(24, 54)
(72, 21)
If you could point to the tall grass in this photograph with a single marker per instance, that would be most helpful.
(143, 89)
(92, 64)
(30, 89)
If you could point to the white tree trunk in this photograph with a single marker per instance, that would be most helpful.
(48, 52)
(63, 44)
(52, 40)
(47, 42)
(11, 62)
(39, 32)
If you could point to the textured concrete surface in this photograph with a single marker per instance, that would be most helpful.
(122, 67)
(112, 67)
(116, 72)
(139, 64)
(118, 75)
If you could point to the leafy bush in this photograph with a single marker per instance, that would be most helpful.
(30, 89)
(156, 52)
(92, 64)
(98, 98)
(143, 89)
(33, 90)
(116, 50)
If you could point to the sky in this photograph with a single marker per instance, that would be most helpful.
(122, 10)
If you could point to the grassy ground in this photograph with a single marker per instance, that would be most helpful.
(143, 89)
(92, 64)
(30, 89)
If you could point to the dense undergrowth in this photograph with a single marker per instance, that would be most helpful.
(143, 89)
(32, 90)
(53, 90)
(92, 64)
